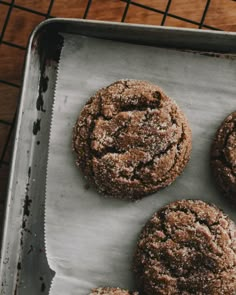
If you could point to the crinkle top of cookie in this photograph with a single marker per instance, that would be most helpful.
(188, 247)
(131, 139)
(111, 291)
(223, 156)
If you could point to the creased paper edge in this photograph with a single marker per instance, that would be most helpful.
(49, 141)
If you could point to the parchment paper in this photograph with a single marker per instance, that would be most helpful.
(89, 239)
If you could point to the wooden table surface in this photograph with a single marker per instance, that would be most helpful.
(18, 19)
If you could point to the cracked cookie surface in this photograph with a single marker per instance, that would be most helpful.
(188, 247)
(111, 291)
(131, 139)
(223, 157)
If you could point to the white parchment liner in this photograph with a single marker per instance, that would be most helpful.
(90, 239)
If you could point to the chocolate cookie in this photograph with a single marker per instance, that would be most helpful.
(111, 291)
(223, 157)
(131, 139)
(187, 247)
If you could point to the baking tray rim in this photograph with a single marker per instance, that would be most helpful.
(62, 20)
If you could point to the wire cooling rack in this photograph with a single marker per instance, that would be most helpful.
(19, 17)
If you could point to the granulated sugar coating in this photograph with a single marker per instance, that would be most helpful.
(131, 139)
(111, 291)
(223, 157)
(188, 247)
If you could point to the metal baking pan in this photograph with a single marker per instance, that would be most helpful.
(23, 266)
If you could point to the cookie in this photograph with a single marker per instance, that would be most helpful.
(223, 157)
(187, 247)
(131, 139)
(111, 291)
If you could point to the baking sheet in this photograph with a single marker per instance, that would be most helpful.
(89, 239)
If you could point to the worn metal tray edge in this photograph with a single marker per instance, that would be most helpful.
(6, 257)
(179, 38)
(14, 151)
